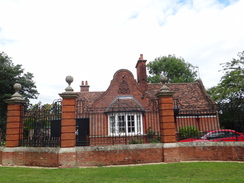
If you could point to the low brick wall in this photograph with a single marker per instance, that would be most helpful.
(122, 154)
(1, 152)
(211, 151)
(30, 156)
(204, 151)
(119, 154)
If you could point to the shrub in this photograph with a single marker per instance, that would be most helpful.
(136, 141)
(189, 132)
(152, 137)
(150, 132)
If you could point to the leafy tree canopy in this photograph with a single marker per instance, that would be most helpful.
(11, 74)
(229, 94)
(231, 86)
(176, 70)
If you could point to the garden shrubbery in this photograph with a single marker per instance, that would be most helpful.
(189, 132)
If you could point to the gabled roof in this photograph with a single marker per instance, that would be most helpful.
(125, 103)
(187, 95)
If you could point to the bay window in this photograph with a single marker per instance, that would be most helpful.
(125, 123)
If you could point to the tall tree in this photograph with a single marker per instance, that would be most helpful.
(229, 94)
(231, 86)
(11, 74)
(176, 70)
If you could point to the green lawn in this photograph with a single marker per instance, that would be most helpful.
(173, 172)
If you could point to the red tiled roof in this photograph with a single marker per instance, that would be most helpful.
(187, 95)
(88, 97)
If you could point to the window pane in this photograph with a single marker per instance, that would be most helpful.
(139, 130)
(112, 124)
(121, 124)
(131, 123)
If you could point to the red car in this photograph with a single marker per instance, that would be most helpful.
(218, 135)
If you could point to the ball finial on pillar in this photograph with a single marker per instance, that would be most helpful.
(69, 80)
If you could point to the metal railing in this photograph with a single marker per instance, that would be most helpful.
(39, 125)
(98, 128)
(193, 123)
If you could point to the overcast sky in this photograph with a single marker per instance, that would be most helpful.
(92, 39)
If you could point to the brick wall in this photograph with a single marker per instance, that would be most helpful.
(211, 151)
(204, 151)
(122, 154)
(119, 155)
(1, 152)
(30, 156)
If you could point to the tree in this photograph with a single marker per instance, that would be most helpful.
(229, 94)
(231, 86)
(11, 74)
(176, 70)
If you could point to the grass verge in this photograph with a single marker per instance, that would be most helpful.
(173, 172)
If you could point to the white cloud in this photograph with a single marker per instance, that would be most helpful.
(91, 40)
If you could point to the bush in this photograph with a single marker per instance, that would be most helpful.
(152, 137)
(136, 141)
(189, 132)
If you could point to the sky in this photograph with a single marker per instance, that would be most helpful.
(92, 39)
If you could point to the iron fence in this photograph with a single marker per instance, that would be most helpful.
(194, 123)
(2, 129)
(118, 125)
(2, 133)
(231, 115)
(101, 128)
(38, 125)
(126, 125)
(2, 140)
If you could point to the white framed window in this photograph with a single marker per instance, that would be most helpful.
(125, 123)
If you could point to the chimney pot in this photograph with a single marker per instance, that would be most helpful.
(141, 57)
(84, 87)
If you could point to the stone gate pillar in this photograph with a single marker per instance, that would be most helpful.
(14, 125)
(166, 114)
(68, 121)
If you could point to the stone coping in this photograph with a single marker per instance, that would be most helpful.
(202, 144)
(59, 150)
(83, 148)
(120, 147)
(31, 149)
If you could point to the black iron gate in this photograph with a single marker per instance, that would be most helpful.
(41, 125)
(56, 128)
(82, 132)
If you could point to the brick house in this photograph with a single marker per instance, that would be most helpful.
(129, 108)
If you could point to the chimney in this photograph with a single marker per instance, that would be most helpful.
(84, 87)
(141, 73)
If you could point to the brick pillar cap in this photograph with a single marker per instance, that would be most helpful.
(69, 90)
(16, 101)
(16, 98)
(164, 90)
(165, 94)
(66, 95)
